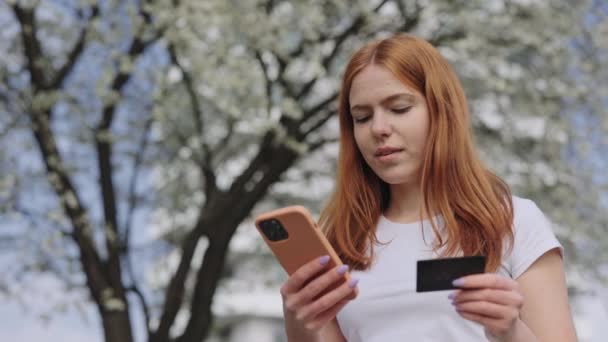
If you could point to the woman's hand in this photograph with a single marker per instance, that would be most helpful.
(491, 300)
(309, 296)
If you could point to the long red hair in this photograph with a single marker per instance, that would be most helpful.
(474, 204)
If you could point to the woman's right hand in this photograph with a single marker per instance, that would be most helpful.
(301, 294)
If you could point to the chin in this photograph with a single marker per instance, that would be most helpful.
(396, 180)
(398, 176)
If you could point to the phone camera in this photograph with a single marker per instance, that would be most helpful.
(273, 230)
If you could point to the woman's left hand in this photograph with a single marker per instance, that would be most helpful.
(491, 300)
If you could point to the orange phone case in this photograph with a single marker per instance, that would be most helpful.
(304, 243)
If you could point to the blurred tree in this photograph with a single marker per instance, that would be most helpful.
(128, 124)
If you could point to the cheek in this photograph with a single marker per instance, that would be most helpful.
(421, 131)
(422, 138)
(359, 138)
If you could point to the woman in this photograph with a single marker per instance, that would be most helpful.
(409, 187)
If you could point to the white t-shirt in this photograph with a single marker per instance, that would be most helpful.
(388, 308)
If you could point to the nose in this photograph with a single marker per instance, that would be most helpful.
(381, 127)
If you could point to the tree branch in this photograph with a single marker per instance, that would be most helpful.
(239, 183)
(226, 138)
(31, 45)
(174, 294)
(248, 190)
(132, 197)
(309, 113)
(410, 19)
(321, 142)
(76, 51)
(197, 113)
(441, 39)
(143, 302)
(291, 125)
(269, 6)
(267, 80)
(209, 273)
(104, 158)
(71, 203)
(355, 26)
(320, 122)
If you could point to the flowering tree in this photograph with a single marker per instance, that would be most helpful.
(184, 115)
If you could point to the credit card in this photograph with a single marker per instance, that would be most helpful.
(438, 274)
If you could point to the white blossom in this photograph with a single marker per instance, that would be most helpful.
(45, 100)
(105, 135)
(530, 127)
(174, 75)
(110, 234)
(69, 199)
(110, 98)
(290, 108)
(54, 179)
(300, 148)
(126, 64)
(110, 302)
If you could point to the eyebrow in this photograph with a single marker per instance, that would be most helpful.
(406, 96)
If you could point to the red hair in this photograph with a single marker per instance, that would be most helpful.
(474, 204)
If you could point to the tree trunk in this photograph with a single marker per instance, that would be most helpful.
(236, 206)
(208, 277)
(116, 325)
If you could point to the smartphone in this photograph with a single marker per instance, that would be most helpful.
(294, 238)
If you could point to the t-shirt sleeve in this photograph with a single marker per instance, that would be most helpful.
(533, 237)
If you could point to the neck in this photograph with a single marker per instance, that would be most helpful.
(406, 203)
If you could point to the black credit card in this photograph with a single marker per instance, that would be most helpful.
(438, 274)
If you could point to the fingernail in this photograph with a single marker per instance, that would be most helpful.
(458, 282)
(342, 269)
(451, 296)
(324, 259)
(353, 282)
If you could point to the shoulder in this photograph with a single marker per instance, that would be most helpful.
(533, 235)
(525, 209)
(528, 217)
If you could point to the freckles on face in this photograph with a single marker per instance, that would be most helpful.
(390, 124)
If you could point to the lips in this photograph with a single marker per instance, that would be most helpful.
(385, 151)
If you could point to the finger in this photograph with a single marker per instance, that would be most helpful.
(488, 309)
(486, 280)
(503, 297)
(297, 279)
(327, 315)
(485, 321)
(317, 286)
(327, 301)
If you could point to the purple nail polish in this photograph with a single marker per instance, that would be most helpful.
(342, 269)
(451, 296)
(353, 282)
(458, 282)
(324, 259)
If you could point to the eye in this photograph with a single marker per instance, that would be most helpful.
(401, 110)
(361, 119)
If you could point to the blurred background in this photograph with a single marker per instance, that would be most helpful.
(139, 138)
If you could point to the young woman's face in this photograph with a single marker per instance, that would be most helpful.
(391, 123)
